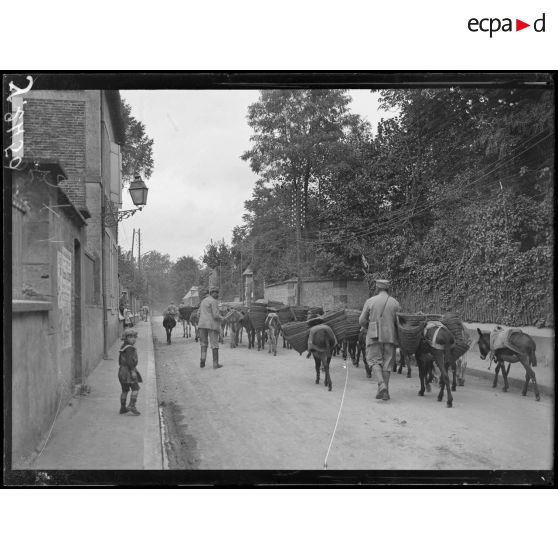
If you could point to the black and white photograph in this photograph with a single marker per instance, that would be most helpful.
(284, 278)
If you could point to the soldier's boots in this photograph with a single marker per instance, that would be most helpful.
(216, 359)
(203, 357)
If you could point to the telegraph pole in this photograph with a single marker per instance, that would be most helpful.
(298, 236)
(139, 251)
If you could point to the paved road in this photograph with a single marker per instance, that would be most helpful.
(265, 412)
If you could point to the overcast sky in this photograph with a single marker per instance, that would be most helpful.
(199, 183)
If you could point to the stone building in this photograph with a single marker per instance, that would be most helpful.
(65, 289)
(328, 293)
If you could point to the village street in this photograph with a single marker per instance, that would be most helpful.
(266, 412)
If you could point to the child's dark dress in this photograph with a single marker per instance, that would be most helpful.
(128, 360)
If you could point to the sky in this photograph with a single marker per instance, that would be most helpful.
(199, 183)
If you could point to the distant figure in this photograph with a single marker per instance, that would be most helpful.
(128, 374)
(209, 327)
(171, 310)
(378, 317)
(145, 311)
(128, 322)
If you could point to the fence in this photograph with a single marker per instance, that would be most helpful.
(509, 309)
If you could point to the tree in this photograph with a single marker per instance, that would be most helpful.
(137, 150)
(156, 268)
(184, 274)
(300, 136)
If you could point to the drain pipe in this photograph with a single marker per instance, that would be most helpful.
(103, 243)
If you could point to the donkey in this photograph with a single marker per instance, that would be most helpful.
(436, 346)
(321, 341)
(169, 323)
(525, 354)
(234, 321)
(273, 328)
(194, 320)
(402, 359)
(184, 315)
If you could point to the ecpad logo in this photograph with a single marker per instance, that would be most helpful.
(493, 25)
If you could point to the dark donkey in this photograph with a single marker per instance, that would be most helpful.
(321, 341)
(436, 346)
(169, 323)
(525, 354)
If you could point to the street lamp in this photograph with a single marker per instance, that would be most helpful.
(138, 192)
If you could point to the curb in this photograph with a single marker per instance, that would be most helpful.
(152, 445)
(516, 383)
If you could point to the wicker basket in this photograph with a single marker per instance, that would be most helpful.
(337, 322)
(315, 321)
(410, 328)
(285, 315)
(462, 342)
(315, 311)
(297, 334)
(300, 313)
(352, 325)
(257, 316)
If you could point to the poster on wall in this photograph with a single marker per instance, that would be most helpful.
(65, 296)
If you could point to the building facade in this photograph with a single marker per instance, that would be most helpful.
(65, 288)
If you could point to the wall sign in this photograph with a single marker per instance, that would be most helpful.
(65, 296)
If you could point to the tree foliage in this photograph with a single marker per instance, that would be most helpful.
(137, 150)
(452, 196)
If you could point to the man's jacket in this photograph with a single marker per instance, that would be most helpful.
(387, 326)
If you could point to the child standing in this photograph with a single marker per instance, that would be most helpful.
(128, 374)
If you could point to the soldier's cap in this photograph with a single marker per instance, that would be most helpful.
(213, 290)
(383, 283)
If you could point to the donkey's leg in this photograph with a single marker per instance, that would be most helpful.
(327, 358)
(505, 375)
(422, 375)
(443, 375)
(454, 374)
(317, 364)
(529, 375)
(496, 370)
(449, 388)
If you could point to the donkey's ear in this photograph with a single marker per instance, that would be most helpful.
(480, 332)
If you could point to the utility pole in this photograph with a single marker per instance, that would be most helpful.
(298, 235)
(139, 251)
(133, 242)
(241, 290)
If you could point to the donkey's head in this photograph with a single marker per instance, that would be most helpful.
(484, 343)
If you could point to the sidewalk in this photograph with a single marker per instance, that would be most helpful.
(91, 434)
(544, 370)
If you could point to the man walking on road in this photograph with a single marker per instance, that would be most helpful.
(209, 327)
(379, 318)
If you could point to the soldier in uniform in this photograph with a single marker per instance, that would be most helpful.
(379, 318)
(209, 326)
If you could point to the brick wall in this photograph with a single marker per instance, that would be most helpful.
(56, 129)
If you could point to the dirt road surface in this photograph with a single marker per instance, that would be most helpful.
(266, 412)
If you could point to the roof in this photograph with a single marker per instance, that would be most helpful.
(113, 102)
(57, 173)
